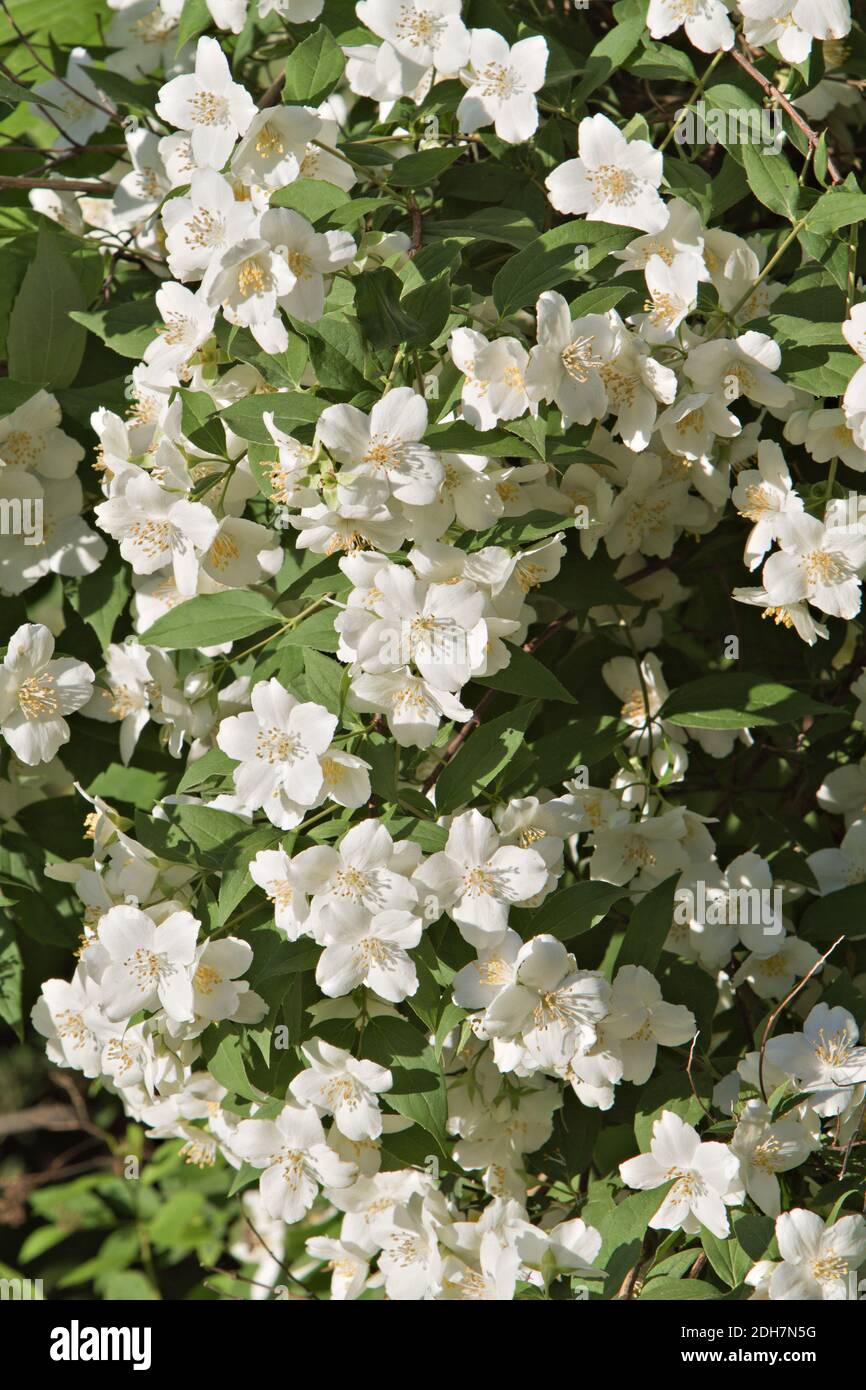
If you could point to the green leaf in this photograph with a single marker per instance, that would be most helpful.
(649, 927)
(208, 620)
(570, 911)
(727, 1258)
(316, 631)
(731, 700)
(314, 68)
(827, 917)
(429, 305)
(11, 93)
(421, 169)
(289, 410)
(553, 258)
(324, 680)
(838, 207)
(419, 1085)
(384, 321)
(482, 757)
(44, 345)
(100, 598)
(227, 1065)
(194, 19)
(610, 54)
(686, 1290)
(125, 328)
(525, 675)
(772, 180)
(11, 977)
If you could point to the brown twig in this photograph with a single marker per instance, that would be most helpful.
(691, 1078)
(38, 1117)
(417, 226)
(61, 185)
(811, 135)
(273, 94)
(788, 997)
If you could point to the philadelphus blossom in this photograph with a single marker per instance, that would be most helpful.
(502, 82)
(612, 180)
(475, 878)
(377, 831)
(706, 22)
(286, 763)
(207, 103)
(36, 692)
(706, 1178)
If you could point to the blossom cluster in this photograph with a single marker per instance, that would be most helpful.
(388, 958)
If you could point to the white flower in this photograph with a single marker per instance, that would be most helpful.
(414, 708)
(502, 83)
(137, 677)
(78, 107)
(428, 33)
(640, 1020)
(68, 1014)
(188, 323)
(613, 180)
(564, 366)
(438, 628)
(766, 497)
(31, 439)
(827, 436)
(794, 23)
(150, 966)
(818, 563)
(818, 1262)
(338, 1084)
(824, 1059)
(381, 453)
(410, 1258)
(706, 1178)
(475, 880)
(246, 282)
(203, 223)
(742, 366)
(359, 871)
(682, 234)
(274, 871)
(365, 949)
(571, 1246)
(217, 991)
(157, 528)
(296, 1159)
(495, 385)
(795, 615)
(348, 1262)
(279, 745)
(310, 256)
(36, 692)
(635, 382)
(765, 1149)
(551, 1010)
(673, 290)
(274, 147)
(839, 868)
(208, 104)
(706, 22)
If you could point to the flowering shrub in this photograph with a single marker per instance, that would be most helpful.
(433, 692)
